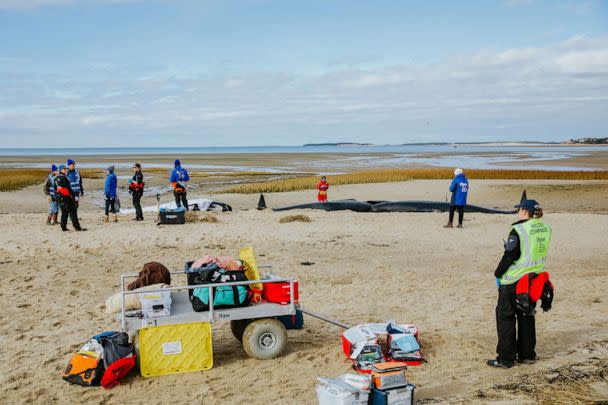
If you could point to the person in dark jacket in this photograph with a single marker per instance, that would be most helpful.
(67, 204)
(179, 180)
(51, 195)
(136, 188)
(525, 253)
(459, 189)
(110, 194)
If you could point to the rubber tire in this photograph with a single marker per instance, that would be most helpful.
(238, 328)
(255, 330)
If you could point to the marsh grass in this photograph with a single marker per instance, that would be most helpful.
(396, 175)
(16, 179)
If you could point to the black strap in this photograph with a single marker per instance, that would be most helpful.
(235, 295)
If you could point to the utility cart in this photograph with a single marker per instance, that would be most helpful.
(182, 341)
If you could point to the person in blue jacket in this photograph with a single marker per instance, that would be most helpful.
(75, 180)
(110, 194)
(459, 189)
(179, 179)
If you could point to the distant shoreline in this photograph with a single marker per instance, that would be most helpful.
(324, 148)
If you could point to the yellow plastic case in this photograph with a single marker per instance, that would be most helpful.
(175, 349)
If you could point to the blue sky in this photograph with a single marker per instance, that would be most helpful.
(260, 72)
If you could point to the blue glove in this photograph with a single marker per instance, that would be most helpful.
(497, 282)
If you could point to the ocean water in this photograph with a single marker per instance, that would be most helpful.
(464, 148)
(509, 156)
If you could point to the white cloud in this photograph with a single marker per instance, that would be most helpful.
(552, 91)
(585, 62)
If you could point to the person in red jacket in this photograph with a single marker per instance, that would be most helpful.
(322, 186)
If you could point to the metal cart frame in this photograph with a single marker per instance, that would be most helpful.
(182, 312)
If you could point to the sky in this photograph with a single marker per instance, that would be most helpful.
(114, 73)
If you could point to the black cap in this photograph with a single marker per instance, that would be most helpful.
(528, 205)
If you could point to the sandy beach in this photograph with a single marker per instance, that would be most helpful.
(369, 106)
(366, 267)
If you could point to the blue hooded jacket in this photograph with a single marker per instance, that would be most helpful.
(459, 189)
(179, 175)
(111, 184)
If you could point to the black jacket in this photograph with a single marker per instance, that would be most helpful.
(138, 178)
(62, 181)
(511, 254)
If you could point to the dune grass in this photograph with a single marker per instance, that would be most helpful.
(16, 179)
(197, 216)
(396, 175)
(295, 218)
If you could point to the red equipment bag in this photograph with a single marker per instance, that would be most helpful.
(530, 288)
(117, 371)
(280, 292)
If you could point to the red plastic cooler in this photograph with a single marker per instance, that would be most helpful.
(280, 292)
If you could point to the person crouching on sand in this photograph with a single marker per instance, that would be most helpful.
(110, 193)
(525, 255)
(136, 188)
(459, 189)
(179, 180)
(322, 186)
(66, 200)
(51, 195)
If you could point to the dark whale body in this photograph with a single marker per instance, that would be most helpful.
(430, 206)
(340, 205)
(389, 206)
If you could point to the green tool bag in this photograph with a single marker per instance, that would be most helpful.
(223, 296)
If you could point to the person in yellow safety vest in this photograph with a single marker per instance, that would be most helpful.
(525, 253)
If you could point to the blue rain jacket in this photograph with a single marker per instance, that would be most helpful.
(111, 185)
(459, 189)
(179, 175)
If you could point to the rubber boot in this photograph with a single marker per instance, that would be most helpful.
(48, 220)
(54, 219)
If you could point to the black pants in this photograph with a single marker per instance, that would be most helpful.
(139, 214)
(460, 209)
(68, 207)
(180, 198)
(110, 206)
(512, 342)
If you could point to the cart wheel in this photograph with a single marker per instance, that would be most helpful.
(265, 339)
(238, 328)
